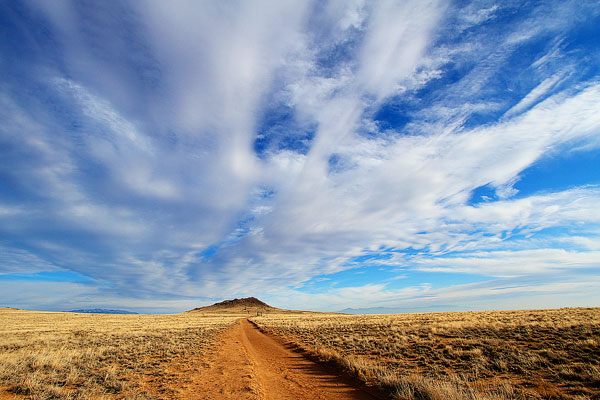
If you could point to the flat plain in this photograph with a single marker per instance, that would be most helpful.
(53, 355)
(529, 354)
(532, 354)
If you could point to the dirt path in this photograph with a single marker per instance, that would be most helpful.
(252, 365)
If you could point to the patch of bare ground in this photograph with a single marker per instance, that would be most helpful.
(183, 356)
(252, 365)
(78, 356)
(530, 354)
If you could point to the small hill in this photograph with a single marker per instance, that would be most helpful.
(246, 305)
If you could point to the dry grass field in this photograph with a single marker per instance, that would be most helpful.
(46, 355)
(542, 354)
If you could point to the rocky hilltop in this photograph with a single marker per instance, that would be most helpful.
(247, 305)
(245, 302)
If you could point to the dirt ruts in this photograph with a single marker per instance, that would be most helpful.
(252, 365)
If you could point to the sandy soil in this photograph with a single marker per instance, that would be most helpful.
(252, 365)
(5, 395)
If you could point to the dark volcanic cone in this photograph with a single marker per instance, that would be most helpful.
(248, 304)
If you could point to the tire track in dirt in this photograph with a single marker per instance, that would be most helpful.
(252, 365)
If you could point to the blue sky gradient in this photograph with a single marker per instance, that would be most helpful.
(158, 156)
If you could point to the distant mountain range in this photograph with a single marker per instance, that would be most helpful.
(101, 311)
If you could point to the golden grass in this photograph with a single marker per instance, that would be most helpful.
(532, 354)
(47, 355)
(544, 354)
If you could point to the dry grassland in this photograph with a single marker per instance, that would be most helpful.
(47, 355)
(542, 354)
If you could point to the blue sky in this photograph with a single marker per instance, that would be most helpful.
(158, 156)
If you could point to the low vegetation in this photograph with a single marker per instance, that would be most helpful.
(47, 355)
(542, 354)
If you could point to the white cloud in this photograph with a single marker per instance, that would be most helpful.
(10, 211)
(512, 263)
(147, 158)
(475, 14)
(537, 293)
(397, 36)
(533, 96)
(14, 260)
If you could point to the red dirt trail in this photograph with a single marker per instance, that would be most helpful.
(252, 365)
